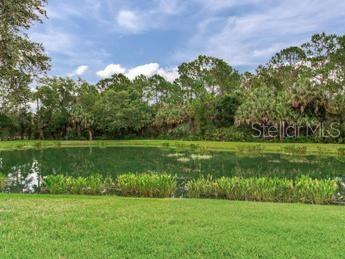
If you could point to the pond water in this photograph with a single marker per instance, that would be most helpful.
(24, 167)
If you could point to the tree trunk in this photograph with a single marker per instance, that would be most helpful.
(41, 133)
(281, 131)
(90, 134)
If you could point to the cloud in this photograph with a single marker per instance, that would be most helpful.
(79, 71)
(146, 70)
(111, 69)
(246, 39)
(54, 41)
(129, 20)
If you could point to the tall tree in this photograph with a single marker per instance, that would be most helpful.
(21, 60)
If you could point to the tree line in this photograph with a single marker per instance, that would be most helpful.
(300, 85)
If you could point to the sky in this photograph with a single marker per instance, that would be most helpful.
(93, 39)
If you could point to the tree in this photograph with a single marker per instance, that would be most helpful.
(207, 74)
(56, 97)
(225, 110)
(84, 112)
(122, 112)
(21, 60)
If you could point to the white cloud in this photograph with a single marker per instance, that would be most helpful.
(53, 40)
(129, 20)
(146, 70)
(80, 70)
(251, 38)
(214, 5)
(169, 74)
(110, 70)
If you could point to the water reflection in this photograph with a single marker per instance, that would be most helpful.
(21, 179)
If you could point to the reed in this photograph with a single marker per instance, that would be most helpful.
(303, 189)
(147, 185)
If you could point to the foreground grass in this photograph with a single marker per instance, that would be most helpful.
(311, 148)
(34, 226)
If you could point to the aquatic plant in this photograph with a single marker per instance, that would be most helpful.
(60, 184)
(183, 159)
(174, 155)
(316, 191)
(200, 157)
(147, 185)
(303, 189)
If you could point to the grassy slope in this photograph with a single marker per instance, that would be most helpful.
(216, 145)
(98, 227)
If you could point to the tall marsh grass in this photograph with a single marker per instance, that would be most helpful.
(303, 189)
(272, 189)
(147, 185)
(60, 184)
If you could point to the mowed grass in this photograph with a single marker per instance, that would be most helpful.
(311, 148)
(42, 226)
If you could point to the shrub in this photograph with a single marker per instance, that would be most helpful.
(147, 185)
(303, 189)
(59, 184)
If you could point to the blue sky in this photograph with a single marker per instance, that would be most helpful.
(95, 38)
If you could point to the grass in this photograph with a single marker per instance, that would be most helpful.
(307, 148)
(41, 226)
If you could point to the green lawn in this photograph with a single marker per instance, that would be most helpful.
(38, 226)
(213, 145)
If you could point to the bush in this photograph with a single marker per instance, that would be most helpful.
(147, 185)
(304, 189)
(59, 184)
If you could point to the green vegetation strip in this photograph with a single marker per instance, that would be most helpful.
(302, 148)
(303, 189)
(41, 226)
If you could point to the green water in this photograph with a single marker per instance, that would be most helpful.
(112, 161)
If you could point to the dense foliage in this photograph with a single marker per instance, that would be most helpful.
(301, 86)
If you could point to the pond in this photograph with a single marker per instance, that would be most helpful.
(23, 167)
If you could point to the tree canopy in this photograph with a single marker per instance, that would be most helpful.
(299, 85)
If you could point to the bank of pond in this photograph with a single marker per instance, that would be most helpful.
(169, 172)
